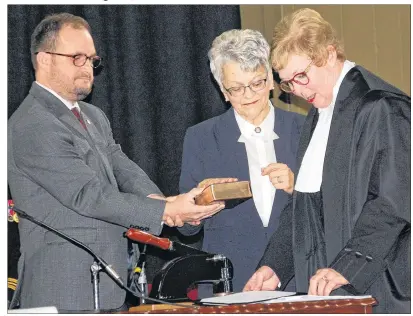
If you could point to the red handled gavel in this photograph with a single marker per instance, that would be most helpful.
(163, 243)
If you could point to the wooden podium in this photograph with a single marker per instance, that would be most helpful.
(347, 306)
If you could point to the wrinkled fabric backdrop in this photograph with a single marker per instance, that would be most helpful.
(155, 82)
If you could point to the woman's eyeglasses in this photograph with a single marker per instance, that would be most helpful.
(300, 78)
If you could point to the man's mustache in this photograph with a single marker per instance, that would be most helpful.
(84, 75)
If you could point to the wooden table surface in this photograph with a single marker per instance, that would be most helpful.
(344, 306)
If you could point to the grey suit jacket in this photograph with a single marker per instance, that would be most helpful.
(81, 183)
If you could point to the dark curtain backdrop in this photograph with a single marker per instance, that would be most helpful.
(155, 82)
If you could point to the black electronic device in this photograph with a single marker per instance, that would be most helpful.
(192, 267)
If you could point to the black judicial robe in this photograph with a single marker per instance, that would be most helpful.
(365, 199)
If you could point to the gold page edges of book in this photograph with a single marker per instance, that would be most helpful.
(239, 190)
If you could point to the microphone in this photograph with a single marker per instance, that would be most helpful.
(109, 270)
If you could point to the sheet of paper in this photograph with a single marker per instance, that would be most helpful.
(245, 297)
(268, 297)
(34, 310)
(307, 298)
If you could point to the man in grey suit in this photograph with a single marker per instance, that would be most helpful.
(65, 169)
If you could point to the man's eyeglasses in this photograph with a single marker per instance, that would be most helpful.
(254, 86)
(301, 78)
(79, 60)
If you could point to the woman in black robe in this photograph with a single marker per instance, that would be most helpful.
(346, 229)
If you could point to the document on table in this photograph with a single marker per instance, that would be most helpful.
(308, 298)
(270, 297)
(245, 297)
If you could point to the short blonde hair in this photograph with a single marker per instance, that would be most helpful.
(304, 32)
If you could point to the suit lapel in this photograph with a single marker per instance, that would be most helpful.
(282, 153)
(60, 110)
(93, 132)
(280, 146)
(94, 138)
(227, 135)
(72, 122)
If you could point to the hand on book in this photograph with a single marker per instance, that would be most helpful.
(182, 209)
(280, 175)
(207, 182)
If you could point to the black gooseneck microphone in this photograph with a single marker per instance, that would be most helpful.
(109, 270)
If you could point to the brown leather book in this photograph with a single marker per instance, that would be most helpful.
(233, 192)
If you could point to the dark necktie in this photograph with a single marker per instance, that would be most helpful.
(76, 112)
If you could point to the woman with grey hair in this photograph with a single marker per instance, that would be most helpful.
(254, 141)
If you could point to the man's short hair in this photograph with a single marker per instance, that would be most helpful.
(45, 34)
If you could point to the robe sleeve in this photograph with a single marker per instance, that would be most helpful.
(383, 227)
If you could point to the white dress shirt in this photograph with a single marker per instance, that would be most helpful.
(311, 171)
(259, 144)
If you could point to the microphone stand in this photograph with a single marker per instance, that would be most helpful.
(98, 263)
(142, 282)
(95, 268)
